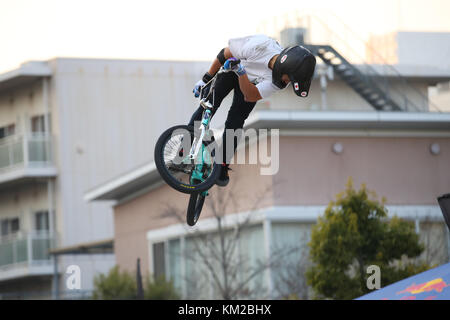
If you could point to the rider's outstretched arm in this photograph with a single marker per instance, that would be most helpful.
(223, 55)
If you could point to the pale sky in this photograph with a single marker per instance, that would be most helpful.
(181, 30)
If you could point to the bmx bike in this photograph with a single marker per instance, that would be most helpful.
(186, 158)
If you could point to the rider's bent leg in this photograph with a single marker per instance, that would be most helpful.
(238, 113)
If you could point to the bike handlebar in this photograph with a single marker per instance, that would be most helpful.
(212, 81)
(235, 62)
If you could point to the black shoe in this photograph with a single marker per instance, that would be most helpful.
(223, 178)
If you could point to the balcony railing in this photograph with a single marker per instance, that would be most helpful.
(26, 249)
(32, 151)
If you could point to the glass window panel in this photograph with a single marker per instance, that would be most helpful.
(40, 248)
(433, 236)
(7, 131)
(17, 152)
(6, 253)
(37, 149)
(175, 258)
(21, 250)
(15, 225)
(42, 221)
(245, 258)
(289, 248)
(38, 123)
(253, 263)
(158, 260)
(197, 277)
(10, 130)
(4, 227)
(5, 150)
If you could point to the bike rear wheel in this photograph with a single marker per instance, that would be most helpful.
(171, 159)
(195, 207)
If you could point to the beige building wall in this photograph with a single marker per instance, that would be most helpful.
(23, 202)
(401, 169)
(155, 209)
(19, 105)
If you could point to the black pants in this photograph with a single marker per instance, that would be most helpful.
(239, 110)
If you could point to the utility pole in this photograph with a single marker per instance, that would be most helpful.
(140, 290)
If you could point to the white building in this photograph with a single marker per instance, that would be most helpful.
(67, 125)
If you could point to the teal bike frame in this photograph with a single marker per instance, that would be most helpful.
(204, 156)
(198, 150)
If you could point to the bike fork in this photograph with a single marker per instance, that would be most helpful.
(198, 141)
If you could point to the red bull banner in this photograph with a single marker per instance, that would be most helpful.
(433, 284)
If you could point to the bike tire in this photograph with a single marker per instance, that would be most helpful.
(168, 178)
(195, 207)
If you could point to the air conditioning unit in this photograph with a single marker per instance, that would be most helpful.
(292, 36)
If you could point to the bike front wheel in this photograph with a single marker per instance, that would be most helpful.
(181, 173)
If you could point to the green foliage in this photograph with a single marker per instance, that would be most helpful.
(122, 285)
(353, 234)
(160, 289)
(116, 285)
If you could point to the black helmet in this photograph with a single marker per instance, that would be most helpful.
(299, 64)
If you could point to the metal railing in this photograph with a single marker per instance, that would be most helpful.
(32, 150)
(26, 249)
(47, 295)
(330, 30)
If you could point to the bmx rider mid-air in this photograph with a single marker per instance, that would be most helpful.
(264, 68)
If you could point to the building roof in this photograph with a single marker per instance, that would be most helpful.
(95, 247)
(147, 176)
(293, 119)
(25, 74)
(126, 184)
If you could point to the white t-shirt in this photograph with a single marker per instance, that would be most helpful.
(255, 53)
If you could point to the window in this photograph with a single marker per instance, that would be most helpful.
(167, 261)
(41, 221)
(9, 226)
(14, 225)
(4, 227)
(434, 238)
(159, 265)
(289, 242)
(38, 123)
(174, 271)
(7, 131)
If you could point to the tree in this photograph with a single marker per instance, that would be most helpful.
(221, 263)
(353, 234)
(122, 285)
(160, 289)
(116, 285)
(289, 279)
